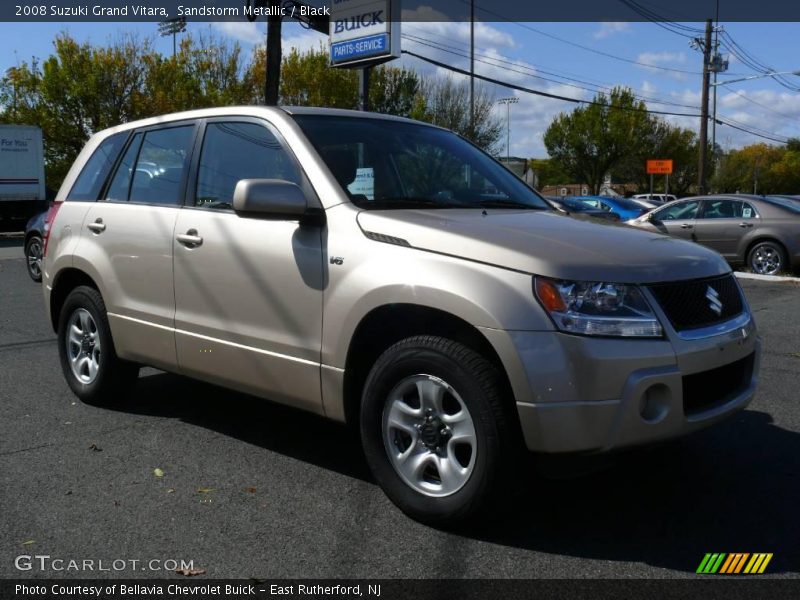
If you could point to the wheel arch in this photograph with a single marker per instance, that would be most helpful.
(385, 325)
(66, 281)
(764, 237)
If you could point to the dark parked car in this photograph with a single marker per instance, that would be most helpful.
(34, 247)
(571, 206)
(761, 232)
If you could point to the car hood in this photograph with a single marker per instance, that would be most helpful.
(547, 243)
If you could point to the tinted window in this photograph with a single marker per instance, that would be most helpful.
(93, 176)
(680, 211)
(121, 183)
(163, 159)
(723, 209)
(235, 151)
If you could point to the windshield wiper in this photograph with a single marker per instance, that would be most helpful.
(508, 204)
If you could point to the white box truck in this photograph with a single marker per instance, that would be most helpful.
(22, 187)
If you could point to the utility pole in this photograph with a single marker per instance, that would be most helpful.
(472, 69)
(508, 102)
(273, 58)
(363, 88)
(703, 161)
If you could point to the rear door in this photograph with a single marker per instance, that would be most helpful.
(128, 237)
(722, 223)
(248, 289)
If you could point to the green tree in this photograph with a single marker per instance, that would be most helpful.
(549, 172)
(590, 141)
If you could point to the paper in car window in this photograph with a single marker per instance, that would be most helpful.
(747, 212)
(364, 183)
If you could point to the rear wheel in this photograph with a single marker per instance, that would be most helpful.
(434, 428)
(767, 258)
(33, 257)
(90, 364)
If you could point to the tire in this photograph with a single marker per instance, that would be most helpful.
(33, 257)
(89, 361)
(463, 440)
(767, 258)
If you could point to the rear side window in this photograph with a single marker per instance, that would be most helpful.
(161, 165)
(235, 151)
(91, 179)
(120, 187)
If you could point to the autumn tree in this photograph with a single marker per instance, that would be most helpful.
(760, 169)
(591, 141)
(445, 102)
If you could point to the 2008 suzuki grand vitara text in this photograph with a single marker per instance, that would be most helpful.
(387, 273)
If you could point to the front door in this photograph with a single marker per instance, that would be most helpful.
(248, 290)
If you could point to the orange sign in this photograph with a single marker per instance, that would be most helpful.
(659, 167)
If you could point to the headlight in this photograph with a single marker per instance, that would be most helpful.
(597, 308)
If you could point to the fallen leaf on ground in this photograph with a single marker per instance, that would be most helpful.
(252, 490)
(190, 572)
(95, 447)
(204, 490)
(28, 542)
(171, 491)
(158, 472)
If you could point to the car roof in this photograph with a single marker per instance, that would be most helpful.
(254, 111)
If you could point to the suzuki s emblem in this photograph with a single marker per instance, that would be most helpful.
(714, 303)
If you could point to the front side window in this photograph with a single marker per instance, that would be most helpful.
(678, 212)
(91, 179)
(163, 160)
(387, 164)
(235, 151)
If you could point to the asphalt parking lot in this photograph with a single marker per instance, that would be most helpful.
(254, 490)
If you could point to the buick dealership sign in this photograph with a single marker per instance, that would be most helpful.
(364, 32)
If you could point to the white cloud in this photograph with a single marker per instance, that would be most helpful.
(674, 60)
(609, 28)
(244, 32)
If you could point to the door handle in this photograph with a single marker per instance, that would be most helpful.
(686, 226)
(744, 225)
(190, 239)
(98, 226)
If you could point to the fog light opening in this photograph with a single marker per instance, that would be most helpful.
(654, 403)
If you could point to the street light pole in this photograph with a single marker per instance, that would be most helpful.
(761, 76)
(508, 102)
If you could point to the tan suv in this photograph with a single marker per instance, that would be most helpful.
(389, 274)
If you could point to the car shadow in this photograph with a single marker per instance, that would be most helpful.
(731, 488)
(288, 431)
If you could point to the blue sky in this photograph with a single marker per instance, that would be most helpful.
(520, 52)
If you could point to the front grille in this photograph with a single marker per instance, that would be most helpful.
(687, 305)
(706, 390)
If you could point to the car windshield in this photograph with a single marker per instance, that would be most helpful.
(784, 202)
(386, 164)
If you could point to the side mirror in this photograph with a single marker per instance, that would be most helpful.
(270, 197)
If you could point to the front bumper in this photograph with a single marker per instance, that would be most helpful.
(583, 394)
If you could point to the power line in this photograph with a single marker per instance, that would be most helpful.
(582, 47)
(533, 72)
(722, 120)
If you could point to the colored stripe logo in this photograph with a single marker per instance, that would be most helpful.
(735, 563)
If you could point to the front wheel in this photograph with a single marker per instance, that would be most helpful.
(767, 258)
(434, 428)
(89, 361)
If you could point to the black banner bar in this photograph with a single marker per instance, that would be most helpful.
(412, 10)
(707, 587)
